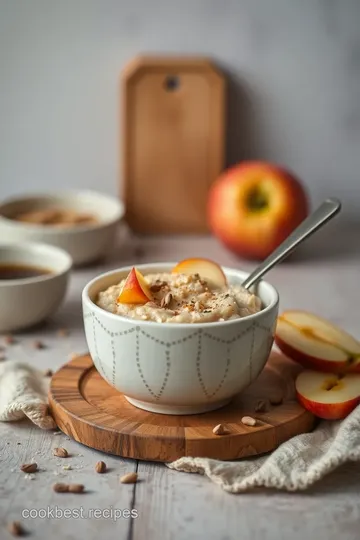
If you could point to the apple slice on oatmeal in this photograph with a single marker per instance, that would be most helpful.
(207, 270)
(135, 289)
(194, 291)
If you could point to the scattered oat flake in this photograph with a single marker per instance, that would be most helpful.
(67, 467)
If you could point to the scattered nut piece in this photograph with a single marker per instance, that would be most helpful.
(48, 373)
(155, 288)
(276, 400)
(248, 421)
(166, 301)
(39, 344)
(100, 467)
(129, 478)
(63, 332)
(15, 528)
(9, 340)
(29, 467)
(60, 452)
(75, 488)
(220, 429)
(59, 487)
(261, 406)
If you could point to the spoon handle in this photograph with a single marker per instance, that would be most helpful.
(327, 210)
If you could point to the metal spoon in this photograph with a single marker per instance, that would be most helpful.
(326, 211)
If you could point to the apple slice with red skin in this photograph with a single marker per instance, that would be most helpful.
(135, 289)
(316, 343)
(208, 270)
(328, 395)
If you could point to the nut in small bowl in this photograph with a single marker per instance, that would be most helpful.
(83, 223)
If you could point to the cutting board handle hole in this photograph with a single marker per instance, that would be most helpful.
(171, 83)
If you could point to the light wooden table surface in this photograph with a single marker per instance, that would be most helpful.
(324, 278)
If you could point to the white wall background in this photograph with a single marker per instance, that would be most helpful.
(294, 92)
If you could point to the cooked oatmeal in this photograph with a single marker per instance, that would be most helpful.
(180, 298)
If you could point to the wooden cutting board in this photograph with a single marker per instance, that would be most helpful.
(87, 409)
(172, 141)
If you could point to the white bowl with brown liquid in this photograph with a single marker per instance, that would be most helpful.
(33, 282)
(83, 223)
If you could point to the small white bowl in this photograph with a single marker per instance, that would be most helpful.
(178, 368)
(25, 302)
(85, 243)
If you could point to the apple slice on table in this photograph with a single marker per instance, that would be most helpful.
(328, 395)
(135, 289)
(207, 269)
(316, 343)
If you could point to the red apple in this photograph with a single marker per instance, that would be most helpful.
(207, 269)
(254, 206)
(328, 395)
(316, 343)
(135, 289)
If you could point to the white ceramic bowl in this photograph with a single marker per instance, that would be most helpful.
(85, 243)
(25, 302)
(178, 368)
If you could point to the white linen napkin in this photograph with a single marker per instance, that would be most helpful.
(23, 392)
(295, 465)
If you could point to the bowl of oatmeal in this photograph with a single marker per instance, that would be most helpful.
(189, 347)
(83, 223)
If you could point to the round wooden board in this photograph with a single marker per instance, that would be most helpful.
(93, 413)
